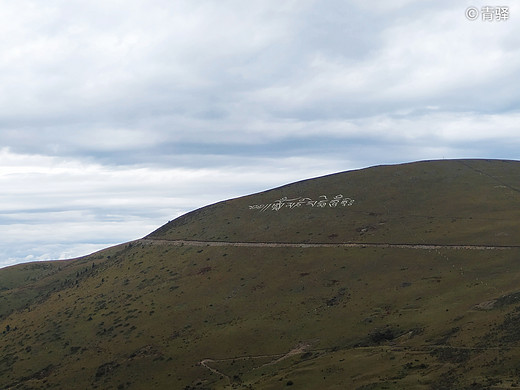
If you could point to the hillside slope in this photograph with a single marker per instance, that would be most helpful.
(164, 312)
(443, 202)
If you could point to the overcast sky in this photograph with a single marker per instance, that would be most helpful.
(117, 116)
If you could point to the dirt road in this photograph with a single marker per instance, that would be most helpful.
(320, 245)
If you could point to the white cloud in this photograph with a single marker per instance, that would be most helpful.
(433, 58)
(382, 5)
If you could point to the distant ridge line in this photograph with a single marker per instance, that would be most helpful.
(324, 245)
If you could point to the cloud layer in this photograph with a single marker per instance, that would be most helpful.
(117, 116)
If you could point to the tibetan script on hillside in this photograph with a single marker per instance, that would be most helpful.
(322, 201)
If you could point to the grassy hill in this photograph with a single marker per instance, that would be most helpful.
(165, 314)
(444, 202)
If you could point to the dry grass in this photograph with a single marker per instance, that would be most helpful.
(145, 315)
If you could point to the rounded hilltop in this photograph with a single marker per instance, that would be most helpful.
(444, 202)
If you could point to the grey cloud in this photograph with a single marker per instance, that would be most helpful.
(219, 68)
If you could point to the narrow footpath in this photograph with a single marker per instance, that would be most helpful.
(321, 245)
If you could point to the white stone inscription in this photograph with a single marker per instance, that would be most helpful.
(321, 202)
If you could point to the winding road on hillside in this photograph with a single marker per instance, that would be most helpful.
(322, 245)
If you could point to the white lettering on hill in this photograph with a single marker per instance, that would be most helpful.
(323, 201)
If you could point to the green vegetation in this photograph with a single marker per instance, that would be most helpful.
(159, 314)
(441, 202)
